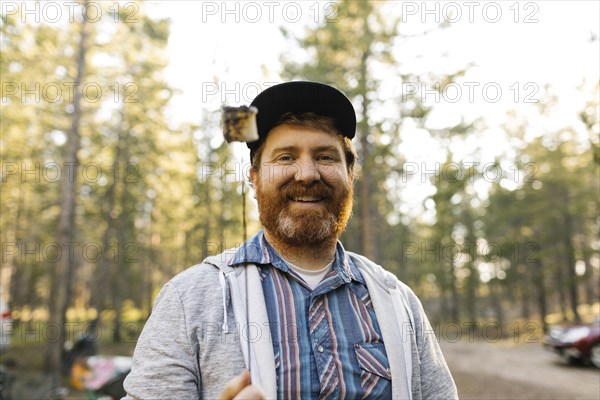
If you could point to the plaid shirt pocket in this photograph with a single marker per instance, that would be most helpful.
(375, 368)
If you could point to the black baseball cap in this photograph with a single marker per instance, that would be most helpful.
(302, 97)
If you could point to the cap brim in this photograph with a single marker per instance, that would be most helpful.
(302, 97)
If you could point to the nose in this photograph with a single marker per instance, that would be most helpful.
(307, 171)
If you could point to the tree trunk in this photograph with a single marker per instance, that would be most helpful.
(369, 249)
(444, 289)
(16, 284)
(473, 278)
(102, 273)
(65, 267)
(148, 265)
(120, 266)
(206, 248)
(495, 297)
(590, 281)
(455, 303)
(570, 255)
(538, 280)
(560, 288)
(524, 283)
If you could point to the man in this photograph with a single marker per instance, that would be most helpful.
(320, 322)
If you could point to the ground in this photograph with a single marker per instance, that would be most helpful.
(482, 370)
(517, 371)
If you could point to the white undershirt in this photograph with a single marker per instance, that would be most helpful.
(311, 277)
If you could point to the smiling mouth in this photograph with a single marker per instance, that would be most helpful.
(307, 199)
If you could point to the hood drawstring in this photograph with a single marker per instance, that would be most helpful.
(226, 297)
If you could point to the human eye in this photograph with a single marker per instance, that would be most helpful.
(326, 158)
(284, 158)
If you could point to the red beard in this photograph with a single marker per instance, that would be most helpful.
(312, 227)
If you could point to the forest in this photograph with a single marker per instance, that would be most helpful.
(105, 198)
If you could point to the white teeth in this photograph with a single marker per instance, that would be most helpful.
(306, 199)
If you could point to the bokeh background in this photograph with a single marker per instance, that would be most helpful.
(478, 138)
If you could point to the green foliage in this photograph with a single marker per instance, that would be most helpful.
(482, 252)
(169, 195)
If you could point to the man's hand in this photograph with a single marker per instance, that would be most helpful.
(239, 388)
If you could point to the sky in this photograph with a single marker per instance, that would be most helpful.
(509, 43)
(519, 53)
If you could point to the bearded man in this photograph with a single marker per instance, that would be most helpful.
(320, 321)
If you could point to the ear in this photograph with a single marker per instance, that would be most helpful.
(253, 176)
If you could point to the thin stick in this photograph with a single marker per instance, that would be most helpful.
(245, 236)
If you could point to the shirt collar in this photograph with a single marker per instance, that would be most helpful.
(253, 250)
(258, 251)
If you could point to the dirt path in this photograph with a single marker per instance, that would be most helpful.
(482, 370)
(517, 371)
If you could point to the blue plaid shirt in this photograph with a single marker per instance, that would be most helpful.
(327, 342)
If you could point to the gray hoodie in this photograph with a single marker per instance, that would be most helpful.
(197, 336)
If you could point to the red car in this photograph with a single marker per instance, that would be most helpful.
(5, 324)
(579, 342)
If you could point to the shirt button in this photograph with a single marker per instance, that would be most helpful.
(320, 349)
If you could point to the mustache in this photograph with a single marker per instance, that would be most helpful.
(314, 189)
